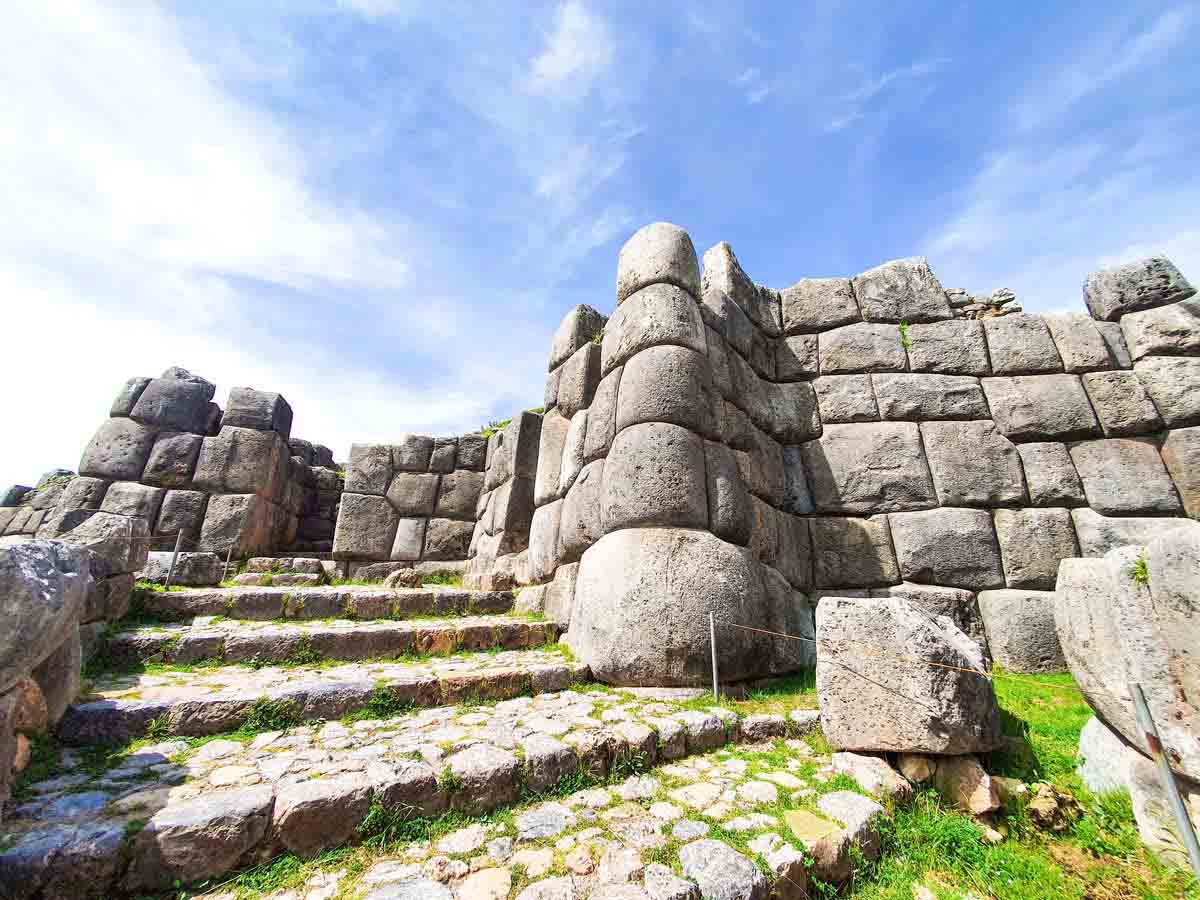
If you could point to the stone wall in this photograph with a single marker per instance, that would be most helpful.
(23, 509)
(411, 501)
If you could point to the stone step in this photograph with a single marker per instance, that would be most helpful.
(346, 601)
(239, 641)
(213, 700)
(201, 811)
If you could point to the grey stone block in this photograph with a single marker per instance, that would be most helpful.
(118, 451)
(736, 429)
(128, 396)
(580, 524)
(667, 384)
(916, 397)
(1125, 476)
(796, 357)
(457, 495)
(264, 410)
(241, 521)
(1080, 344)
(512, 506)
(764, 531)
(660, 253)
(1121, 403)
(472, 452)
(723, 274)
(654, 475)
(370, 469)
(1181, 453)
(722, 873)
(572, 456)
(728, 499)
(903, 290)
(447, 539)
(1032, 544)
(543, 541)
(553, 439)
(956, 604)
(414, 494)
(853, 552)
(577, 384)
(1050, 475)
(861, 347)
(973, 464)
(445, 451)
(1114, 339)
(582, 325)
(366, 527)
(1041, 407)
(602, 417)
(1174, 385)
(659, 314)
(83, 493)
(301, 448)
(818, 304)
(242, 461)
(1172, 330)
(128, 498)
(1144, 284)
(762, 467)
(797, 498)
(412, 454)
(718, 361)
(560, 595)
(174, 404)
(172, 459)
(794, 558)
(727, 319)
(794, 416)
(410, 540)
(954, 347)
(1021, 345)
(846, 398)
(550, 393)
(180, 511)
(955, 547)
(868, 468)
(1098, 534)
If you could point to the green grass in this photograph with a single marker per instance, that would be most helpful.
(905, 340)
(1139, 571)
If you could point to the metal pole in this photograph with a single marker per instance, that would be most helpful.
(225, 571)
(712, 640)
(1154, 744)
(174, 556)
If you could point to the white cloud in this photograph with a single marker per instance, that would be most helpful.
(576, 51)
(875, 86)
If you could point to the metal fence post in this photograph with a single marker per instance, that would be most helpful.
(712, 639)
(174, 556)
(1154, 745)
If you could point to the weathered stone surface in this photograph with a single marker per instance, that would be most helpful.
(818, 304)
(916, 768)
(721, 872)
(444, 539)
(582, 325)
(728, 501)
(1099, 534)
(654, 475)
(1020, 629)
(1150, 282)
(723, 274)
(660, 253)
(1021, 345)
(1123, 476)
(191, 569)
(956, 604)
(1114, 339)
(853, 552)
(921, 397)
(1181, 453)
(83, 493)
(1173, 384)
(543, 540)
(512, 506)
(366, 527)
(553, 439)
(602, 417)
(581, 525)
(409, 542)
(899, 702)
(972, 464)
(955, 547)
(572, 455)
(903, 290)
(320, 814)
(118, 544)
(662, 884)
(263, 410)
(414, 493)
(457, 495)
(793, 413)
(963, 781)
(954, 347)
(181, 511)
(488, 777)
(797, 498)
(1080, 343)
(659, 314)
(642, 604)
(242, 461)
(795, 357)
(667, 384)
(128, 396)
(1121, 403)
(868, 468)
(118, 451)
(471, 453)
(577, 383)
(128, 498)
(198, 839)
(1050, 475)
(1172, 330)
(861, 347)
(172, 459)
(1032, 543)
(547, 760)
(846, 398)
(412, 453)
(560, 595)
(174, 404)
(1040, 407)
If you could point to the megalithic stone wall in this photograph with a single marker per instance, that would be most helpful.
(411, 501)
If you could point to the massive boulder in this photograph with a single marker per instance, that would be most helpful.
(893, 677)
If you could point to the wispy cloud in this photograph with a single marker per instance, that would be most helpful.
(575, 52)
(865, 100)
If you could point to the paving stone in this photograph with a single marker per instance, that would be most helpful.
(874, 775)
(318, 815)
(721, 872)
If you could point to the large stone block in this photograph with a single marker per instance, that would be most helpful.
(762, 468)
(580, 525)
(892, 699)
(973, 464)
(818, 304)
(729, 321)
(457, 495)
(868, 468)
(1121, 403)
(1080, 343)
(181, 511)
(83, 493)
(582, 325)
(471, 453)
(553, 438)
(118, 451)
(642, 603)
(903, 290)
(445, 450)
(797, 498)
(659, 314)
(602, 417)
(1032, 543)
(654, 475)
(560, 595)
(174, 403)
(446, 539)
(242, 461)
(128, 498)
(794, 556)
(1181, 453)
(1114, 339)
(667, 384)
(577, 383)
(728, 500)
(660, 253)
(955, 547)
(1050, 475)
(172, 459)
(846, 398)
(861, 347)
(366, 527)
(1041, 407)
(412, 454)
(1125, 476)
(956, 604)
(127, 397)
(1098, 534)
(1144, 284)
(723, 274)
(1173, 384)
(1165, 331)
(1021, 345)
(512, 506)
(1020, 630)
(263, 410)
(794, 416)
(543, 541)
(853, 552)
(118, 544)
(916, 398)
(796, 357)
(415, 493)
(954, 347)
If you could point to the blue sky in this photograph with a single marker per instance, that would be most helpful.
(382, 208)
